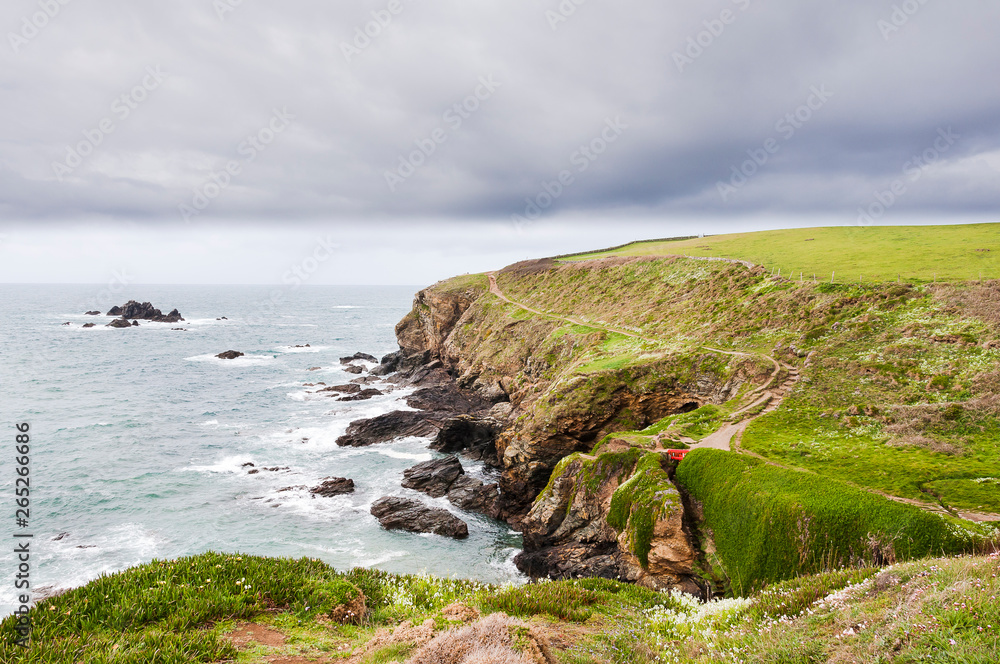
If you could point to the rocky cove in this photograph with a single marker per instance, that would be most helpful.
(501, 388)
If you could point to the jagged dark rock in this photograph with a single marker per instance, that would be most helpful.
(89, 324)
(366, 380)
(119, 323)
(229, 355)
(333, 486)
(362, 395)
(445, 397)
(474, 437)
(66, 323)
(343, 389)
(472, 495)
(433, 477)
(354, 369)
(358, 356)
(389, 426)
(93, 313)
(145, 311)
(413, 516)
(446, 477)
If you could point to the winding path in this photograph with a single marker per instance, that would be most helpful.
(729, 437)
(721, 439)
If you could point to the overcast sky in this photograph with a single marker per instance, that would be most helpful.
(220, 140)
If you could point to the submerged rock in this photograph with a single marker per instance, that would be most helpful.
(229, 355)
(354, 369)
(396, 513)
(343, 389)
(358, 356)
(89, 325)
(362, 395)
(93, 313)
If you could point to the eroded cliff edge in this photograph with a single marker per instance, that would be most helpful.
(558, 390)
(585, 373)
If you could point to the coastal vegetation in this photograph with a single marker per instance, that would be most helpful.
(936, 609)
(847, 254)
(848, 511)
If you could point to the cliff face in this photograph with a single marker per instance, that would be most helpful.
(557, 405)
(575, 361)
(617, 516)
(436, 311)
(555, 397)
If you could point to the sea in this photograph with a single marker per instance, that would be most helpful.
(140, 437)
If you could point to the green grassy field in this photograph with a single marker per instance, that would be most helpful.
(876, 253)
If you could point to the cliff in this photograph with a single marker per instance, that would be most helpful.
(595, 368)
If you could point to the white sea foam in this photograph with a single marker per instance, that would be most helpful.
(393, 454)
(229, 464)
(245, 361)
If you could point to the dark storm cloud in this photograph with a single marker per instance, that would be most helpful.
(216, 109)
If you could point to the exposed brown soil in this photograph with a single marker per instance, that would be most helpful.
(246, 633)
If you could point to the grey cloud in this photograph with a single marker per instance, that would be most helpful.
(353, 120)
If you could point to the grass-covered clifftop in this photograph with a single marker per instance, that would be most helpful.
(847, 253)
(899, 382)
(233, 608)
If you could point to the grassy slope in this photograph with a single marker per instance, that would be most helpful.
(942, 610)
(880, 253)
(896, 398)
(769, 524)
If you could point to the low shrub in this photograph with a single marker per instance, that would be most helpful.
(562, 599)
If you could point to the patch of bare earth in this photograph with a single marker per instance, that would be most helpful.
(246, 634)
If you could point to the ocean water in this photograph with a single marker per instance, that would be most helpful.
(139, 436)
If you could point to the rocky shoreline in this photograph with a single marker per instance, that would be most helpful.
(474, 409)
